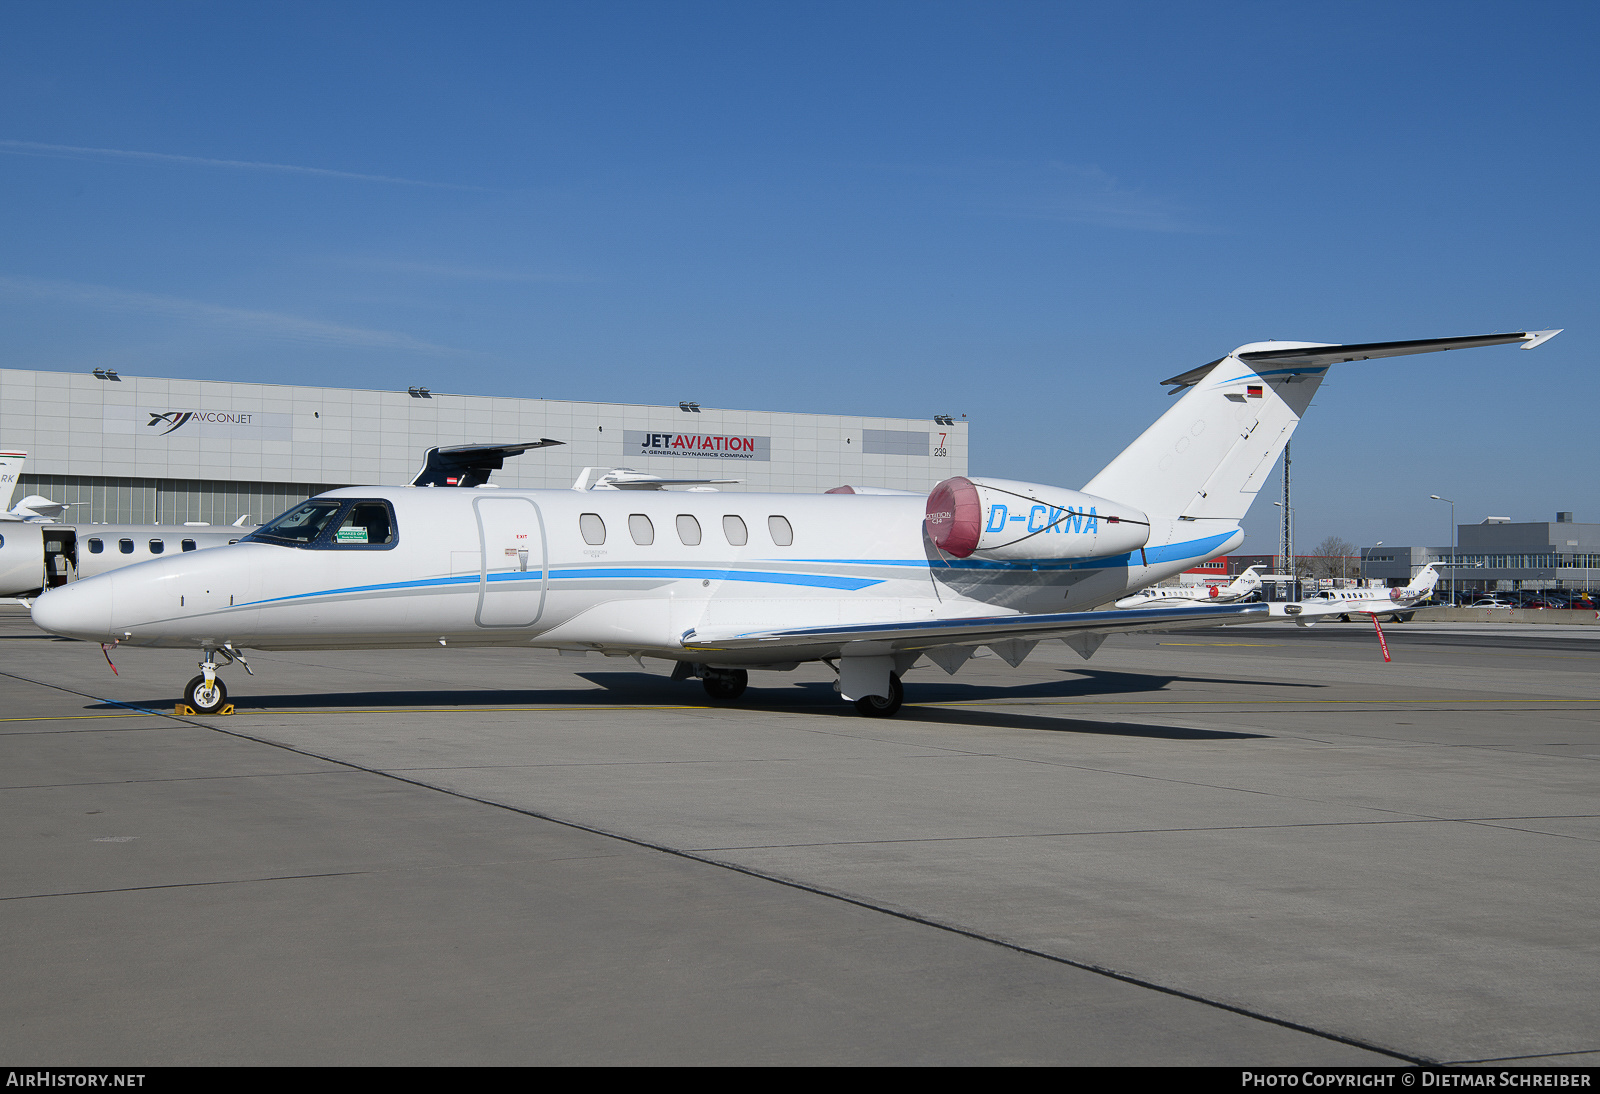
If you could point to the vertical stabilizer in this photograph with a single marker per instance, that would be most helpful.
(1208, 456)
(11, 463)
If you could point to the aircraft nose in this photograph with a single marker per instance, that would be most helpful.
(79, 610)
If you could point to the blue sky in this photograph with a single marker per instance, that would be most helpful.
(1028, 213)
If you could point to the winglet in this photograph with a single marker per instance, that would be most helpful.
(1540, 337)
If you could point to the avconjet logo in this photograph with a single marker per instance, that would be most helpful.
(173, 418)
(177, 418)
(157, 421)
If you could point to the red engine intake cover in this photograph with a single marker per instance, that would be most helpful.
(955, 517)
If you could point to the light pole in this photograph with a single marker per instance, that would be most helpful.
(1454, 534)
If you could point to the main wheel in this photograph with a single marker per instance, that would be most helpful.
(725, 683)
(877, 706)
(205, 700)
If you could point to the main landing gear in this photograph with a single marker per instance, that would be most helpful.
(879, 706)
(724, 683)
(206, 692)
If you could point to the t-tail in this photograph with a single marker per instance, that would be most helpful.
(1421, 586)
(11, 463)
(1245, 584)
(1209, 455)
(1175, 496)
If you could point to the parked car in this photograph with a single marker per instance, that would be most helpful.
(1491, 603)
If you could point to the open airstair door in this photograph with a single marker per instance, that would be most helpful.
(515, 564)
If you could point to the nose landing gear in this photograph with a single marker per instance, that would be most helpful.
(206, 692)
(207, 697)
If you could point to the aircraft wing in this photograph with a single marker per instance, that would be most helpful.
(1082, 630)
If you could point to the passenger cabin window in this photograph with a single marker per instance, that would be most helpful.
(125, 546)
(367, 525)
(593, 528)
(157, 546)
(782, 534)
(640, 528)
(688, 530)
(733, 527)
(188, 545)
(96, 546)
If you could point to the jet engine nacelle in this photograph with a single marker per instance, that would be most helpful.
(1003, 519)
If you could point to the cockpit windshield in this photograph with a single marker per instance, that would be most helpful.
(300, 526)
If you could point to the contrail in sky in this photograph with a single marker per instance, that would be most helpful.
(34, 148)
(277, 324)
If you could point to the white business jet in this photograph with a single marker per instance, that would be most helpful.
(44, 555)
(33, 509)
(723, 583)
(1239, 588)
(1375, 602)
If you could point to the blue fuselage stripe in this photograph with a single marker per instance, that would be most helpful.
(1150, 556)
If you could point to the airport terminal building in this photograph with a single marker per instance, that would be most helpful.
(144, 450)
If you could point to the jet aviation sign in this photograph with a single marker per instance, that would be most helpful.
(636, 442)
(144, 421)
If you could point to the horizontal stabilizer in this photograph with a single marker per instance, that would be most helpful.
(1362, 351)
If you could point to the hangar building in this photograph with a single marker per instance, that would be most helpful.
(136, 449)
(1501, 555)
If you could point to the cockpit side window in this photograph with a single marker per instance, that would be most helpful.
(367, 524)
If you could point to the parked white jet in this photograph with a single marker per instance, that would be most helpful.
(33, 508)
(1374, 602)
(726, 582)
(33, 559)
(1239, 588)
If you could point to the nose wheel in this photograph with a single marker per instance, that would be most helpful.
(206, 698)
(206, 692)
